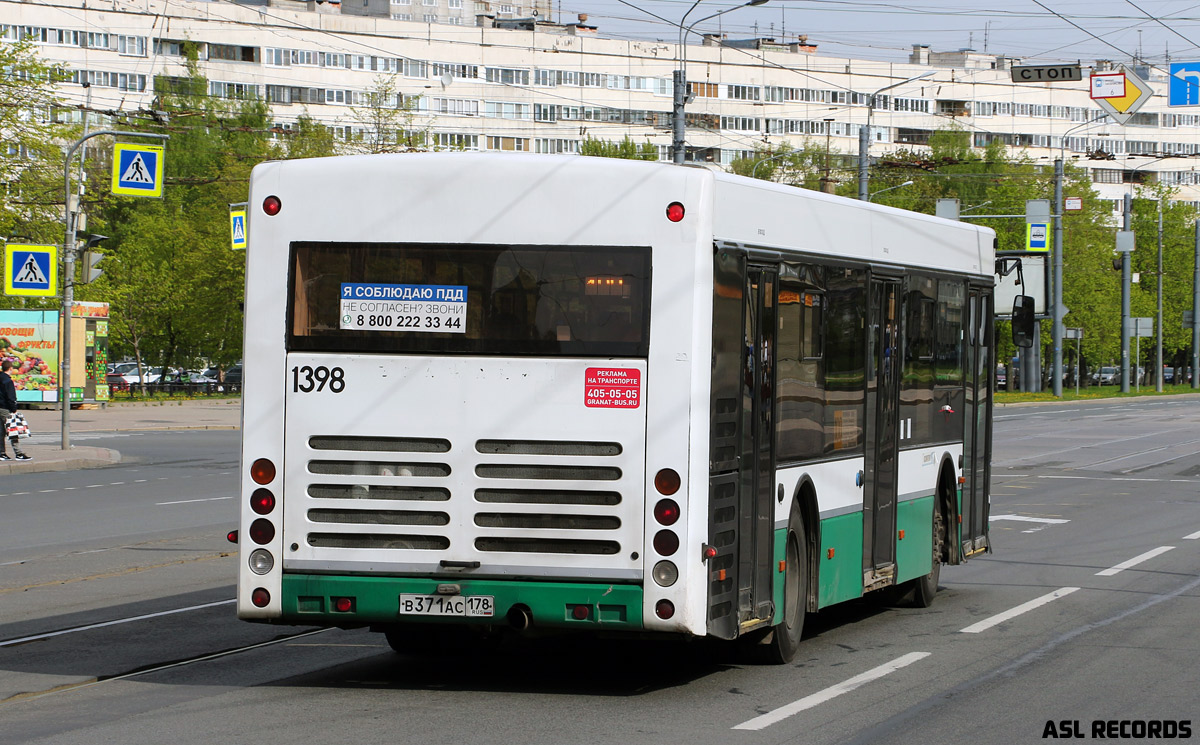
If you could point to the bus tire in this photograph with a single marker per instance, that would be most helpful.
(785, 637)
(926, 587)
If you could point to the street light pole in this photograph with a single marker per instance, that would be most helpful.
(864, 136)
(679, 79)
(68, 282)
(897, 186)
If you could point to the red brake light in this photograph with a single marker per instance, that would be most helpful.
(666, 512)
(260, 597)
(262, 531)
(580, 612)
(664, 609)
(665, 542)
(675, 211)
(231, 536)
(666, 482)
(263, 471)
(343, 605)
(272, 205)
(262, 501)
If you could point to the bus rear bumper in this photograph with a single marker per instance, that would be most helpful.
(346, 600)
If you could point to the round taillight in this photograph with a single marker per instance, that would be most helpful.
(263, 471)
(674, 211)
(272, 205)
(343, 605)
(261, 561)
(664, 609)
(260, 597)
(665, 573)
(665, 542)
(666, 482)
(666, 512)
(262, 501)
(262, 531)
(580, 612)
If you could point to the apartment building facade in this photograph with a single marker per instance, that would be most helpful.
(486, 76)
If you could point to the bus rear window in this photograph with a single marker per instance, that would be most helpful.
(469, 299)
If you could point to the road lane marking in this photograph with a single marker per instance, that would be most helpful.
(1193, 537)
(771, 717)
(1134, 561)
(48, 635)
(1022, 518)
(189, 501)
(1000, 618)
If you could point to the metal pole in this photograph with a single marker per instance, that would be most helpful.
(677, 137)
(1125, 278)
(1196, 312)
(1158, 358)
(1056, 315)
(68, 281)
(864, 151)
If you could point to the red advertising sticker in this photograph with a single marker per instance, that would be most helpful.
(612, 388)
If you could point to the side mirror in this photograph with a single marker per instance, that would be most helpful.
(1022, 321)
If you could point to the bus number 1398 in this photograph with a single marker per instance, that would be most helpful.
(316, 378)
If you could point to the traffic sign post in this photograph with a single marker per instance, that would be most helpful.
(30, 271)
(1184, 86)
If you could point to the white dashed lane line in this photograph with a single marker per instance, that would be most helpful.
(1134, 561)
(1000, 618)
(778, 715)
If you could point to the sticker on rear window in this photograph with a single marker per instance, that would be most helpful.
(612, 388)
(425, 308)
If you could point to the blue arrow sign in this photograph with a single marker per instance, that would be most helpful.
(1184, 88)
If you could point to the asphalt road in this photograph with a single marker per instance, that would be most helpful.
(116, 623)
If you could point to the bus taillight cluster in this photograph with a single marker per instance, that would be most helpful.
(262, 530)
(666, 541)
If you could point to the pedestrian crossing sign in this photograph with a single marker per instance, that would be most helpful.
(137, 170)
(30, 271)
(237, 229)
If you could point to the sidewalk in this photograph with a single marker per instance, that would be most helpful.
(46, 424)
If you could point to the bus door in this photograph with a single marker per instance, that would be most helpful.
(977, 420)
(882, 435)
(757, 463)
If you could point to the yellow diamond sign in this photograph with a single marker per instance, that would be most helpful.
(1120, 93)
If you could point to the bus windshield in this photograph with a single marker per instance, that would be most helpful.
(469, 299)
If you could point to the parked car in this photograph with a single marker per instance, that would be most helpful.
(1108, 376)
(1001, 378)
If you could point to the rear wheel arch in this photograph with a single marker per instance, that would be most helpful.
(806, 499)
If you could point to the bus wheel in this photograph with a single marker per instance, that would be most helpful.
(785, 638)
(926, 587)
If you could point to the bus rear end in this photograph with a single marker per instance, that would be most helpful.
(445, 407)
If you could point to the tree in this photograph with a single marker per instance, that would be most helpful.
(387, 118)
(626, 148)
(810, 166)
(31, 195)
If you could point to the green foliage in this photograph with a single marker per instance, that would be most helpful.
(387, 120)
(810, 166)
(31, 176)
(626, 148)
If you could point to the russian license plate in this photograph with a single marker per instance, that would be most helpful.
(477, 606)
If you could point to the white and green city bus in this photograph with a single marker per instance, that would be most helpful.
(551, 393)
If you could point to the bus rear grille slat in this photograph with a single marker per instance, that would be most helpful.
(560, 473)
(368, 540)
(376, 468)
(547, 447)
(548, 496)
(379, 517)
(379, 444)
(378, 491)
(547, 545)
(544, 522)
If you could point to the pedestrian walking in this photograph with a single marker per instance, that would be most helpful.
(8, 407)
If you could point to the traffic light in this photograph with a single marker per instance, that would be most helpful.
(90, 258)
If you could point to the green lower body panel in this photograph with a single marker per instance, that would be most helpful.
(311, 599)
(840, 561)
(914, 538)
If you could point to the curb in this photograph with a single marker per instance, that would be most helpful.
(83, 457)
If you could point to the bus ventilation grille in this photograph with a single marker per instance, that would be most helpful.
(535, 515)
